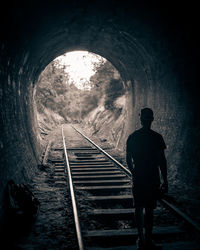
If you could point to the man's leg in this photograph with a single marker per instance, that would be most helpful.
(149, 243)
(148, 223)
(139, 218)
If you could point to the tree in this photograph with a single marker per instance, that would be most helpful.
(57, 94)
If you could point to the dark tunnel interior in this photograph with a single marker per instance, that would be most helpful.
(154, 48)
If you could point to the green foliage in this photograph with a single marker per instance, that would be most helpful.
(113, 90)
(90, 102)
(55, 93)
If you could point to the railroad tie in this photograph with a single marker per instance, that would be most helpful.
(100, 177)
(101, 182)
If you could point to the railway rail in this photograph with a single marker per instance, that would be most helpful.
(100, 189)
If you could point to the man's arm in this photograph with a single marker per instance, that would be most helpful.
(163, 169)
(129, 159)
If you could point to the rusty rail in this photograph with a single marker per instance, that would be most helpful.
(73, 198)
(185, 217)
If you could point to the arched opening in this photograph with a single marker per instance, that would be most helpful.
(82, 88)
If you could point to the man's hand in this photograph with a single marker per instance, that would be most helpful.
(164, 187)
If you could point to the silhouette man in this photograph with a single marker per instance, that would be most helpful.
(145, 156)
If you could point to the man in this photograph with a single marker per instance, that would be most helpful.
(145, 156)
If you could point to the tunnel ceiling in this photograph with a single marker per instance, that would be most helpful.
(154, 47)
(115, 30)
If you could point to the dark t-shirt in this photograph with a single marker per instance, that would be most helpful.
(144, 146)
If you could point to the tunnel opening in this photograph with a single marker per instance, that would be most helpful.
(85, 89)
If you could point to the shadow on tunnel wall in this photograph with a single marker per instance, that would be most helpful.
(152, 46)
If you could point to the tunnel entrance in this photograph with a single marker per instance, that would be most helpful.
(81, 88)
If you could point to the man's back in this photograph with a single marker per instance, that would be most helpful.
(144, 146)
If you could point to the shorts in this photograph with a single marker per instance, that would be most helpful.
(145, 197)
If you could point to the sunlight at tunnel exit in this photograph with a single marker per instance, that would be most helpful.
(80, 66)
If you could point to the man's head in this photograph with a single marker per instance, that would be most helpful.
(146, 117)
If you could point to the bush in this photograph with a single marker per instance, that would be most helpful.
(113, 90)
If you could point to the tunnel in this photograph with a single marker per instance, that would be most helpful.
(153, 47)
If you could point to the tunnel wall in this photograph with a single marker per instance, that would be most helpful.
(19, 153)
(150, 48)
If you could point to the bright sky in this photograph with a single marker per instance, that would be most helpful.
(80, 66)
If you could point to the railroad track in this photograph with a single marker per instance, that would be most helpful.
(100, 189)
